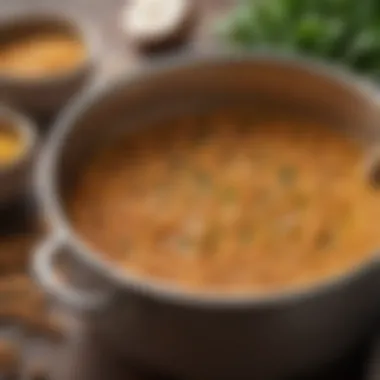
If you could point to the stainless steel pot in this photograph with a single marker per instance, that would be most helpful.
(205, 335)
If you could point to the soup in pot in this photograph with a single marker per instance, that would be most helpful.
(224, 202)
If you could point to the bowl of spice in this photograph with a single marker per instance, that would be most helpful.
(44, 60)
(18, 139)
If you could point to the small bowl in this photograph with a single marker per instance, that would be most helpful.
(45, 94)
(15, 175)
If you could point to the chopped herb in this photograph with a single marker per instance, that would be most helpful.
(287, 175)
(342, 31)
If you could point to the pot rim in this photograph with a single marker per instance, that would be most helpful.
(45, 185)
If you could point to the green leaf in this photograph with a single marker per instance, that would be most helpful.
(346, 31)
(308, 32)
(271, 18)
(364, 48)
(294, 9)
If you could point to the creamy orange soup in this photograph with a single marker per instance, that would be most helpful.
(41, 54)
(222, 203)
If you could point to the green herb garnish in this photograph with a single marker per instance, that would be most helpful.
(342, 31)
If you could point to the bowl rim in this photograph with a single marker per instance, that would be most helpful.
(45, 187)
(81, 28)
(27, 129)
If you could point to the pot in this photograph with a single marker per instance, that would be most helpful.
(199, 335)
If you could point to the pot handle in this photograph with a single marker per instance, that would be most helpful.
(44, 270)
